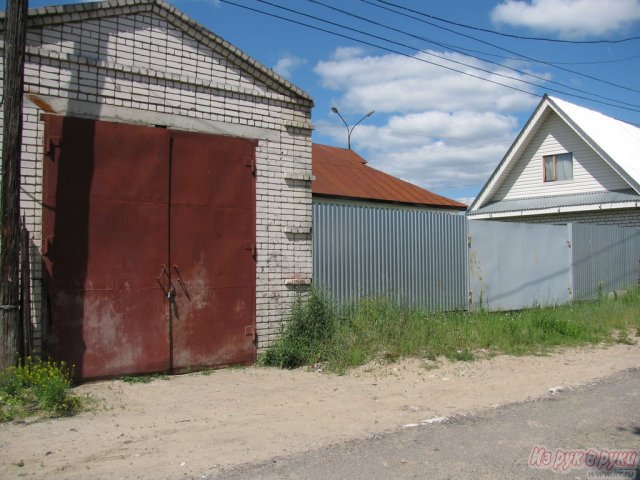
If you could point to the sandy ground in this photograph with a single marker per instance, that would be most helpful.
(192, 425)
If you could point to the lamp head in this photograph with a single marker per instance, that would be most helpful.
(334, 109)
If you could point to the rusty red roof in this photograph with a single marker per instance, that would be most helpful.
(343, 173)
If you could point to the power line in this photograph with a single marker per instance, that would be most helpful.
(506, 57)
(519, 37)
(598, 62)
(525, 57)
(628, 107)
(518, 56)
(538, 77)
(364, 42)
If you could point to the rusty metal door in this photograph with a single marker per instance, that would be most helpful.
(212, 250)
(141, 229)
(105, 221)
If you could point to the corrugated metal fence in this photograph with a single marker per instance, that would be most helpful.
(515, 265)
(605, 259)
(429, 260)
(416, 257)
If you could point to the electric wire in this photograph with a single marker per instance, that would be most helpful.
(509, 35)
(537, 77)
(630, 107)
(596, 62)
(522, 56)
(555, 62)
(364, 42)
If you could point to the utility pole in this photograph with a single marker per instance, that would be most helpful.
(15, 31)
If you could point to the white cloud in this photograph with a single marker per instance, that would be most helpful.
(343, 53)
(569, 18)
(436, 150)
(458, 127)
(465, 200)
(393, 83)
(439, 165)
(416, 129)
(287, 64)
(435, 128)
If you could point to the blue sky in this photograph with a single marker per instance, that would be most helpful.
(443, 130)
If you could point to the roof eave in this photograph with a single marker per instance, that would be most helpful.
(555, 210)
(390, 202)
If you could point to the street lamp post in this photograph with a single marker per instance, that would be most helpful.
(350, 129)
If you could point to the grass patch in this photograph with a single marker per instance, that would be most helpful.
(374, 328)
(37, 388)
(132, 379)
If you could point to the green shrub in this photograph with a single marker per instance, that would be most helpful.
(306, 336)
(36, 387)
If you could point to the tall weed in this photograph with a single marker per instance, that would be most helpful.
(307, 335)
(384, 329)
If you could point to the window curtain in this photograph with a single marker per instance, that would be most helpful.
(564, 166)
(548, 169)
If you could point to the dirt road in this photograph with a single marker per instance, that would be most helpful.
(191, 425)
(579, 433)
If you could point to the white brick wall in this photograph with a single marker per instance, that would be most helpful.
(622, 217)
(150, 65)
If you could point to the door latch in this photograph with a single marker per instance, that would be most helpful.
(181, 282)
(169, 293)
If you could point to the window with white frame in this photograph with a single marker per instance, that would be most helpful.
(558, 167)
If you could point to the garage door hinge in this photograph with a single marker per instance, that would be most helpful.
(46, 246)
(251, 163)
(251, 246)
(51, 145)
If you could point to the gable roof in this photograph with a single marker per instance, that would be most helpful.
(615, 141)
(60, 14)
(342, 173)
(618, 142)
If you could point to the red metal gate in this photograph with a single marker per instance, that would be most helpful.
(212, 258)
(147, 247)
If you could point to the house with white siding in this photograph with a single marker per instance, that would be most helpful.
(568, 164)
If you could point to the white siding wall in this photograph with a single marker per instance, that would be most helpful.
(590, 172)
(142, 67)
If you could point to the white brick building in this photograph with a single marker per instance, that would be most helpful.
(144, 63)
